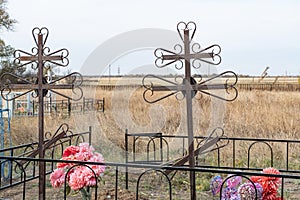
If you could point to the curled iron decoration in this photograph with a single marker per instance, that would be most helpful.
(162, 56)
(6, 86)
(210, 55)
(59, 57)
(74, 80)
(229, 85)
(217, 133)
(40, 31)
(60, 133)
(150, 88)
(62, 53)
(62, 128)
(182, 26)
(20, 53)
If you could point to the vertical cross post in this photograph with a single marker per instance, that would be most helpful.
(189, 110)
(42, 167)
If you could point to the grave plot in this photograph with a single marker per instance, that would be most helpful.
(160, 173)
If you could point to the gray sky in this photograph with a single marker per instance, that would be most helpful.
(252, 34)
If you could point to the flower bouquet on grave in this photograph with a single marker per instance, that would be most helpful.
(79, 178)
(266, 188)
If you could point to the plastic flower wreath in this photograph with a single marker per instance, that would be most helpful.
(269, 184)
(79, 178)
(266, 187)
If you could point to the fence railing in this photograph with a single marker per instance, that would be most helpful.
(269, 86)
(237, 153)
(63, 107)
(149, 155)
(143, 172)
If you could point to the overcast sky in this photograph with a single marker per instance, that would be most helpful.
(252, 34)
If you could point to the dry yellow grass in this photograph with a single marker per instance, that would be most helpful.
(258, 114)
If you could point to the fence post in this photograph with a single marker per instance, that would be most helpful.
(83, 99)
(103, 103)
(126, 159)
(90, 135)
(69, 107)
(32, 107)
(50, 100)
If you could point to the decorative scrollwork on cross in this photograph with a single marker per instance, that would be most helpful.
(41, 55)
(188, 55)
(210, 55)
(178, 88)
(59, 57)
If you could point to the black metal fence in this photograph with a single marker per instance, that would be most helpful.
(152, 155)
(143, 172)
(237, 153)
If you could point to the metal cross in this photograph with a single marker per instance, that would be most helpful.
(40, 87)
(190, 54)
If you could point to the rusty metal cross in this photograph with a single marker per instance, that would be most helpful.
(40, 87)
(190, 54)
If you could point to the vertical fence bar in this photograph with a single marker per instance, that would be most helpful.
(90, 135)
(287, 156)
(83, 103)
(103, 103)
(282, 188)
(116, 184)
(69, 107)
(233, 153)
(161, 148)
(126, 159)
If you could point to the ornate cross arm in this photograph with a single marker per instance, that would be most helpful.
(228, 83)
(228, 78)
(6, 86)
(73, 81)
(210, 55)
(150, 88)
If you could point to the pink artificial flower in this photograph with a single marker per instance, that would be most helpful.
(89, 176)
(76, 179)
(57, 178)
(85, 152)
(62, 165)
(80, 176)
(98, 169)
(255, 179)
(269, 184)
(272, 170)
(85, 147)
(71, 150)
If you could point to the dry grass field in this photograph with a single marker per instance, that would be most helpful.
(258, 114)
